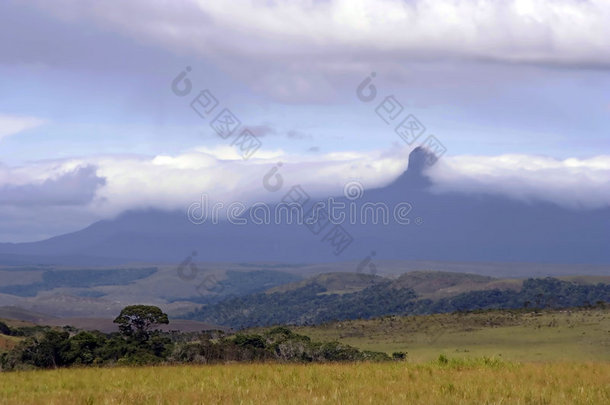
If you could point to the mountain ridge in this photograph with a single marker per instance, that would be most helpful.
(445, 227)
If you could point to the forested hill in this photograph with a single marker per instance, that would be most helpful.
(322, 298)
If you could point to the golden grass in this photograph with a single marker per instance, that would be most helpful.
(401, 383)
(573, 336)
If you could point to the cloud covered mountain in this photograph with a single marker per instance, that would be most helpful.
(405, 220)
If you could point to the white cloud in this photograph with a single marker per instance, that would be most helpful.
(307, 50)
(573, 183)
(227, 152)
(104, 186)
(173, 182)
(11, 124)
(539, 31)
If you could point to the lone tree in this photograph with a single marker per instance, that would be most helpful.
(137, 321)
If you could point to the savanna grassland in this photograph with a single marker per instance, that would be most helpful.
(480, 382)
(489, 357)
(549, 335)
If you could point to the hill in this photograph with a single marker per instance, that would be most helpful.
(324, 298)
(20, 314)
(84, 292)
(438, 284)
(332, 283)
(101, 292)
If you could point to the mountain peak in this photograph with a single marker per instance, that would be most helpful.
(419, 160)
(414, 176)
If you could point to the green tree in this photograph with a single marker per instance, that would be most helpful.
(84, 347)
(48, 352)
(137, 321)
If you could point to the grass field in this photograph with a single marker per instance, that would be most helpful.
(496, 357)
(575, 335)
(477, 382)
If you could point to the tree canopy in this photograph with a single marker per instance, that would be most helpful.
(137, 321)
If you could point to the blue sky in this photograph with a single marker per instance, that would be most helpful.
(86, 92)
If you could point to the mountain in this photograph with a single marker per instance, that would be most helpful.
(446, 227)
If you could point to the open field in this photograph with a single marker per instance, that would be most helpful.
(570, 335)
(398, 382)
(491, 357)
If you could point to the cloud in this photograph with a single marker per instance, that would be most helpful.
(573, 183)
(262, 130)
(11, 124)
(70, 194)
(64, 187)
(540, 31)
(111, 184)
(303, 50)
(173, 182)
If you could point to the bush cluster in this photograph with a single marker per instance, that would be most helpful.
(138, 343)
(278, 344)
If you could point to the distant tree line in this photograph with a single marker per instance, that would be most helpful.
(82, 278)
(139, 342)
(311, 304)
(534, 294)
(307, 305)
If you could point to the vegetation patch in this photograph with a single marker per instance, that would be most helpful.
(313, 303)
(140, 343)
(78, 279)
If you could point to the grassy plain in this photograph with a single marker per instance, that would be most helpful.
(495, 357)
(570, 335)
(481, 382)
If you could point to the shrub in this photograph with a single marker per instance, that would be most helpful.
(398, 356)
(443, 360)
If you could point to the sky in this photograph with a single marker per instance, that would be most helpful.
(517, 92)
